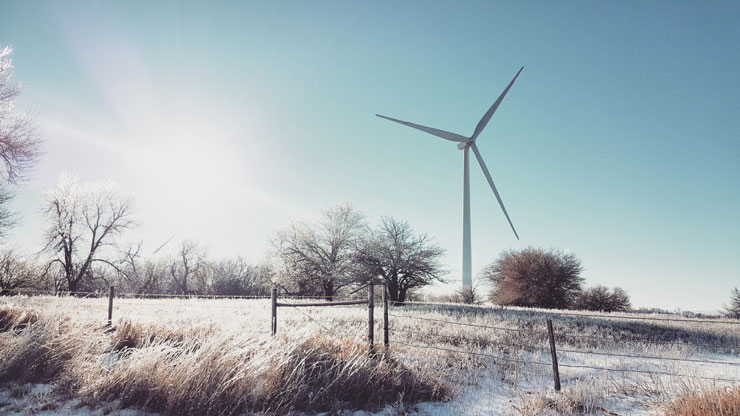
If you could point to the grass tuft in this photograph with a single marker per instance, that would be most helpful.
(12, 318)
(721, 402)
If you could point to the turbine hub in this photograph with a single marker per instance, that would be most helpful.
(463, 145)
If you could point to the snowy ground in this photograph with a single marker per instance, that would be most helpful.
(481, 385)
(45, 400)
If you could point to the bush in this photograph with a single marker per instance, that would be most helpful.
(600, 298)
(535, 277)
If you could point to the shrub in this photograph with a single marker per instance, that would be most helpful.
(600, 298)
(535, 277)
(722, 402)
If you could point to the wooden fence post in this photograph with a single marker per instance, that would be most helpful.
(273, 321)
(555, 373)
(110, 305)
(386, 340)
(371, 317)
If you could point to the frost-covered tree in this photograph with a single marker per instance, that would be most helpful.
(84, 220)
(20, 143)
(188, 269)
(404, 260)
(319, 258)
(732, 309)
(15, 271)
(237, 277)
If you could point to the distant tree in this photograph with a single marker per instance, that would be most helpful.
(20, 143)
(189, 269)
(600, 298)
(732, 310)
(405, 261)
(142, 275)
(16, 272)
(236, 277)
(319, 259)
(471, 295)
(535, 277)
(83, 220)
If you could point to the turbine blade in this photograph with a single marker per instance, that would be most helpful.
(436, 132)
(487, 117)
(493, 187)
(163, 244)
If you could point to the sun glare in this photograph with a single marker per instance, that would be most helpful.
(182, 160)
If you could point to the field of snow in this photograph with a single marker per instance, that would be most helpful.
(492, 360)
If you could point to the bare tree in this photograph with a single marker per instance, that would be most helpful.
(403, 260)
(20, 143)
(319, 258)
(472, 295)
(600, 298)
(535, 277)
(84, 220)
(15, 271)
(236, 277)
(732, 310)
(188, 269)
(142, 275)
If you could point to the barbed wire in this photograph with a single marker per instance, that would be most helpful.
(631, 370)
(465, 339)
(574, 314)
(566, 350)
(482, 354)
(460, 323)
(648, 357)
(123, 303)
(565, 335)
(312, 319)
(569, 365)
(172, 295)
(698, 344)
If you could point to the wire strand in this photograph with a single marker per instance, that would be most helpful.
(460, 323)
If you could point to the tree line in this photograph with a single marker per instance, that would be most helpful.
(334, 254)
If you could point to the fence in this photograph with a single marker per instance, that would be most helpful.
(370, 302)
(550, 333)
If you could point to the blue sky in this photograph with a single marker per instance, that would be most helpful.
(619, 141)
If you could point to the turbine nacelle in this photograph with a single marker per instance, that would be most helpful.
(462, 146)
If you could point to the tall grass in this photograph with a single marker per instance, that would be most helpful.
(197, 356)
(720, 402)
(201, 370)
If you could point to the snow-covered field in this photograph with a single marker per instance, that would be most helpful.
(494, 361)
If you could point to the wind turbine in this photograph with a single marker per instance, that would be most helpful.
(464, 144)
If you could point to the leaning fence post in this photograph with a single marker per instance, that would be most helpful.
(370, 316)
(273, 321)
(110, 305)
(555, 373)
(386, 341)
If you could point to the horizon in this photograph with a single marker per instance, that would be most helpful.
(618, 142)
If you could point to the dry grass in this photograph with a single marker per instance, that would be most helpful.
(722, 402)
(15, 318)
(198, 356)
(202, 370)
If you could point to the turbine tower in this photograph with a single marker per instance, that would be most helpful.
(465, 144)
